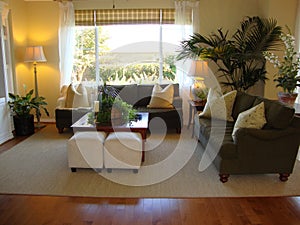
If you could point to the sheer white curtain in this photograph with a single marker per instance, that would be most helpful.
(186, 15)
(66, 36)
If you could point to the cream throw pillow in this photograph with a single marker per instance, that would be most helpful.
(76, 97)
(251, 118)
(214, 107)
(162, 98)
(213, 93)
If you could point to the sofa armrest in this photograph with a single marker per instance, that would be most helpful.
(177, 102)
(61, 101)
(282, 145)
(296, 122)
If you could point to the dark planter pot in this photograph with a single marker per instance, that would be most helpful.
(24, 125)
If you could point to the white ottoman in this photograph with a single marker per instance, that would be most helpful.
(85, 150)
(123, 150)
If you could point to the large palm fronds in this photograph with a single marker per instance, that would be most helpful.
(240, 60)
(257, 35)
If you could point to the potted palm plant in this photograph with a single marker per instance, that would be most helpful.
(21, 107)
(287, 76)
(239, 59)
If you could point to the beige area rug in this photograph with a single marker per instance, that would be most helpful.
(39, 166)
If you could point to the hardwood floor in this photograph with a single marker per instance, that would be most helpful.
(37, 210)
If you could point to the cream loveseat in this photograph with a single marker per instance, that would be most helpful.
(77, 100)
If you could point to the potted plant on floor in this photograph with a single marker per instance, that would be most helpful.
(21, 107)
(287, 76)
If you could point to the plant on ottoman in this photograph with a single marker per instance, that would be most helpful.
(112, 110)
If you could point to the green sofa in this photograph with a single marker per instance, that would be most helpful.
(272, 149)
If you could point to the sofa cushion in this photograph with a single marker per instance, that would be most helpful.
(251, 118)
(127, 93)
(215, 109)
(219, 128)
(144, 94)
(278, 116)
(162, 98)
(242, 103)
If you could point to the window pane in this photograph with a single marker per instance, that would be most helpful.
(127, 53)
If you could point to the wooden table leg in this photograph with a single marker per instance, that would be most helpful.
(144, 136)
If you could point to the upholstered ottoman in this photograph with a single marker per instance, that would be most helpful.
(85, 150)
(123, 150)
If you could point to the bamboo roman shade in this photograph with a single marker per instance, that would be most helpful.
(123, 16)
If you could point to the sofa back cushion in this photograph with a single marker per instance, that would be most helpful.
(278, 115)
(144, 92)
(242, 103)
(127, 93)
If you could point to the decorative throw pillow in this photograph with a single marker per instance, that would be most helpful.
(70, 96)
(76, 97)
(213, 93)
(214, 108)
(251, 118)
(162, 98)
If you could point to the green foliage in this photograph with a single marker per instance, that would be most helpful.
(85, 49)
(239, 59)
(22, 105)
(109, 103)
(134, 72)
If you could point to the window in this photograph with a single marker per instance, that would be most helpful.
(126, 46)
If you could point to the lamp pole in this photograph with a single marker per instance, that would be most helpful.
(38, 113)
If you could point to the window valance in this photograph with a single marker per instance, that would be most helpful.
(124, 16)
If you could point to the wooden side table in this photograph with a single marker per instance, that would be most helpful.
(194, 108)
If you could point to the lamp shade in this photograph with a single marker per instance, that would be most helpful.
(199, 68)
(35, 54)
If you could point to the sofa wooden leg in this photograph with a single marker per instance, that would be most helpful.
(178, 130)
(60, 130)
(73, 169)
(224, 177)
(284, 176)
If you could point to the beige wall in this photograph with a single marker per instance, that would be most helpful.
(285, 14)
(226, 14)
(36, 23)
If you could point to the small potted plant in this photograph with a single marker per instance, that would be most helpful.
(287, 76)
(21, 107)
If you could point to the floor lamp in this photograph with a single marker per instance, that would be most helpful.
(35, 54)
